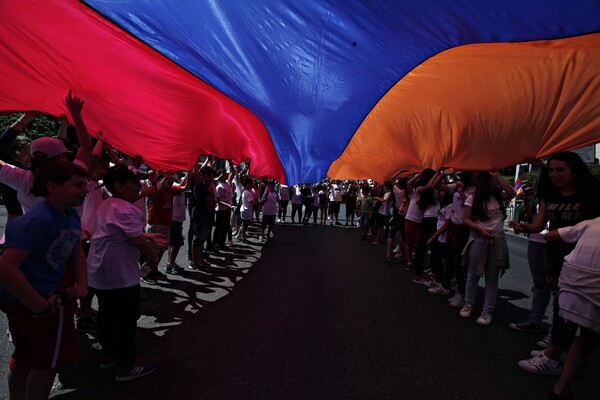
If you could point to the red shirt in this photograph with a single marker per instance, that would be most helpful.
(160, 209)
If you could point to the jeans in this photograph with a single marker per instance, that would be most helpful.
(491, 273)
(536, 255)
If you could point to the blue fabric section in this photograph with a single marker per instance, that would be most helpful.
(311, 70)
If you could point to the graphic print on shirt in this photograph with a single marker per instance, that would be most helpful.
(60, 250)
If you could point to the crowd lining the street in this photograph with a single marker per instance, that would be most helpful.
(96, 224)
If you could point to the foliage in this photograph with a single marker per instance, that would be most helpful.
(42, 125)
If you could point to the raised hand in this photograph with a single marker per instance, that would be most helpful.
(74, 103)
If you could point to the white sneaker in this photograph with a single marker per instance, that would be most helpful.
(466, 311)
(396, 249)
(458, 302)
(541, 365)
(535, 353)
(431, 283)
(485, 319)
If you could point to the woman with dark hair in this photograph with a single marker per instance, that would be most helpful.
(486, 251)
(568, 194)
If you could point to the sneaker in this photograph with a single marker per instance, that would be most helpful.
(172, 269)
(485, 319)
(137, 370)
(525, 326)
(197, 267)
(421, 280)
(458, 301)
(466, 311)
(535, 353)
(396, 249)
(149, 279)
(87, 325)
(408, 266)
(543, 343)
(388, 260)
(432, 284)
(541, 365)
(439, 290)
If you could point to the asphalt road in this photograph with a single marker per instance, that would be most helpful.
(316, 314)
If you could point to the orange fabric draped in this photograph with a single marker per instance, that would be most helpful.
(482, 106)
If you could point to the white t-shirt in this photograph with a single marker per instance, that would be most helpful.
(21, 180)
(270, 203)
(141, 202)
(337, 191)
(414, 213)
(431, 211)
(113, 260)
(223, 193)
(495, 222)
(94, 198)
(384, 208)
(587, 250)
(247, 205)
(443, 216)
(458, 214)
(398, 196)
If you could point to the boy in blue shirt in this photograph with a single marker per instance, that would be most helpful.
(40, 246)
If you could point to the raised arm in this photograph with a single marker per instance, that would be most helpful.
(9, 135)
(508, 191)
(411, 183)
(95, 157)
(62, 131)
(111, 152)
(75, 104)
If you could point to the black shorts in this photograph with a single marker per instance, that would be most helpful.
(176, 237)
(335, 207)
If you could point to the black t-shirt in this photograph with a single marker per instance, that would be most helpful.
(567, 211)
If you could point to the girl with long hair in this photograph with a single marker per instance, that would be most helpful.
(486, 251)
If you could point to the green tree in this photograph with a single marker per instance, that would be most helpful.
(42, 125)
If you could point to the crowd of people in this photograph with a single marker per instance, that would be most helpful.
(96, 224)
